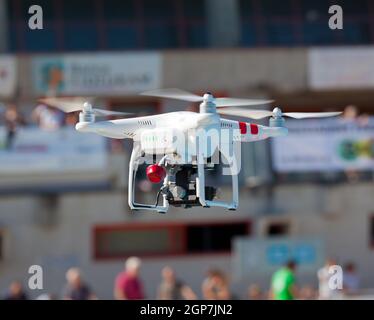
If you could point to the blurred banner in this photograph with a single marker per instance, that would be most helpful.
(34, 151)
(264, 256)
(341, 68)
(325, 145)
(8, 76)
(96, 74)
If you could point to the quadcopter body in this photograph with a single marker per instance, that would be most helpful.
(179, 147)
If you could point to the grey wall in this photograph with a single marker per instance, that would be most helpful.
(231, 71)
(236, 70)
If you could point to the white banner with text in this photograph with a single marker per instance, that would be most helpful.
(325, 145)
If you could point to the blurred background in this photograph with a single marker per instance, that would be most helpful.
(307, 197)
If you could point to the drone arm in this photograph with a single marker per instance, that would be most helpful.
(262, 133)
(116, 129)
(249, 132)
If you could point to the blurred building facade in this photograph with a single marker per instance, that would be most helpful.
(181, 24)
(253, 48)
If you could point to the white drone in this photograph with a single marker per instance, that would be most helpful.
(182, 177)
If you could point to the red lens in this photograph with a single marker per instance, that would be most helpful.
(155, 173)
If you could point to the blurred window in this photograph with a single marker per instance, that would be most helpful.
(21, 38)
(276, 8)
(247, 9)
(268, 22)
(274, 229)
(317, 33)
(119, 10)
(80, 36)
(121, 24)
(1, 245)
(160, 34)
(158, 10)
(213, 238)
(371, 231)
(285, 23)
(24, 5)
(137, 241)
(355, 33)
(133, 24)
(108, 24)
(174, 23)
(314, 9)
(196, 35)
(248, 34)
(166, 239)
(82, 10)
(280, 33)
(193, 23)
(251, 23)
(354, 7)
(356, 29)
(80, 25)
(41, 40)
(121, 36)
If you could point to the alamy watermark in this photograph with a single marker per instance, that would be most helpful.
(335, 281)
(201, 144)
(36, 19)
(36, 277)
(336, 19)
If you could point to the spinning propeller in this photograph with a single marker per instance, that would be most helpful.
(79, 104)
(234, 102)
(179, 94)
(276, 113)
(84, 105)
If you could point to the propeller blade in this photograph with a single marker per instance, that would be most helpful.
(234, 102)
(305, 115)
(76, 104)
(65, 104)
(104, 113)
(253, 114)
(259, 114)
(173, 93)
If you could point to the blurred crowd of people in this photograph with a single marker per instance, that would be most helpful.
(42, 116)
(284, 284)
(128, 285)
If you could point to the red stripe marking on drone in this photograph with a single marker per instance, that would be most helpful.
(254, 128)
(243, 127)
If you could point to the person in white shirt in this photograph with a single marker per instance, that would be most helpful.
(48, 118)
(326, 292)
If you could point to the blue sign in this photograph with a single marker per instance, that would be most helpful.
(264, 256)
